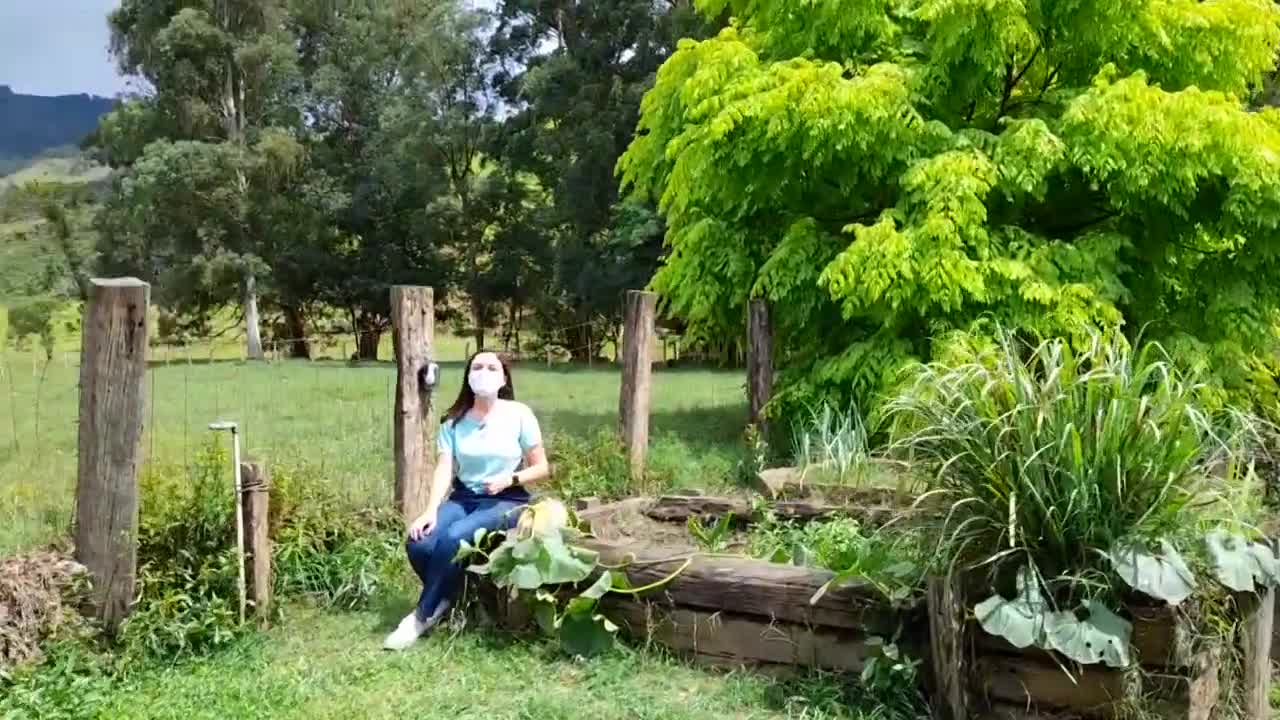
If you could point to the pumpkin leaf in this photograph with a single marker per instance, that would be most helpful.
(586, 634)
(602, 585)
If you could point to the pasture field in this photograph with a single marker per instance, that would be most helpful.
(324, 414)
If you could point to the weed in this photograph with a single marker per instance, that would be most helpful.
(895, 562)
(71, 684)
(714, 538)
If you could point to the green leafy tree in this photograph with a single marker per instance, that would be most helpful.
(891, 173)
(397, 116)
(575, 73)
(223, 77)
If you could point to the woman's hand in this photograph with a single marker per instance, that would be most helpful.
(495, 485)
(422, 526)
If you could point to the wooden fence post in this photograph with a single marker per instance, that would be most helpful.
(637, 375)
(255, 486)
(759, 360)
(1256, 645)
(947, 648)
(113, 396)
(413, 335)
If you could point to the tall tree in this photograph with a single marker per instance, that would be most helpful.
(221, 73)
(575, 73)
(888, 174)
(398, 113)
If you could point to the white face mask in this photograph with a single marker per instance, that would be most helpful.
(486, 383)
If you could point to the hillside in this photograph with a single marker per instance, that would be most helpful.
(31, 125)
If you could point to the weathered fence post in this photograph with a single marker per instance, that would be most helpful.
(413, 335)
(1256, 645)
(759, 360)
(255, 486)
(637, 375)
(113, 396)
(947, 648)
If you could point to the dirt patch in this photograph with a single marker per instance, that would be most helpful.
(38, 592)
(629, 523)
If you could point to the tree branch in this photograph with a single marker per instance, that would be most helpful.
(1011, 80)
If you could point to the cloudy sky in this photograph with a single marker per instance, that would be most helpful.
(57, 47)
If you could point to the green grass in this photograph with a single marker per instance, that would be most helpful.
(323, 413)
(320, 666)
(63, 165)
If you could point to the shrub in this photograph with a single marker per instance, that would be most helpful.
(187, 597)
(596, 466)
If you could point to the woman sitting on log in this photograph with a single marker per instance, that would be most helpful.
(485, 440)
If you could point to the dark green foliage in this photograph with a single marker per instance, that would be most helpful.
(596, 466)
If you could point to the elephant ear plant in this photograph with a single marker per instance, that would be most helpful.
(1079, 480)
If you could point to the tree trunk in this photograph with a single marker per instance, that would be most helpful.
(296, 324)
(252, 329)
(577, 341)
(367, 340)
(477, 319)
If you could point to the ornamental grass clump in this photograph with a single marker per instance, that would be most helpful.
(1075, 478)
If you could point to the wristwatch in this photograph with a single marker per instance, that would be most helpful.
(515, 479)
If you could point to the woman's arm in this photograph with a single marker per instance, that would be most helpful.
(535, 466)
(441, 480)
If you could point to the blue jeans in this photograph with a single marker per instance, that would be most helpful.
(458, 519)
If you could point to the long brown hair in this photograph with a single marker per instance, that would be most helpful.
(467, 397)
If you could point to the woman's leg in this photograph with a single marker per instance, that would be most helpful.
(445, 573)
(425, 553)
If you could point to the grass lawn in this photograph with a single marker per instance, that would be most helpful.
(322, 665)
(326, 414)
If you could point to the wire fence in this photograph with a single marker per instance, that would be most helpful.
(326, 412)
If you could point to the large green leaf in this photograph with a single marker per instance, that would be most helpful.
(544, 612)
(1102, 637)
(525, 549)
(1240, 564)
(524, 577)
(586, 634)
(1164, 576)
(558, 562)
(602, 585)
(1021, 620)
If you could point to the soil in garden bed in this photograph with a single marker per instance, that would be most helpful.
(629, 523)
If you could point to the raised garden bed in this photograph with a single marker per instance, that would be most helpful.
(726, 608)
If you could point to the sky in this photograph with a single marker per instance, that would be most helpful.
(57, 47)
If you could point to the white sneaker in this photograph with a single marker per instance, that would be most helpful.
(409, 630)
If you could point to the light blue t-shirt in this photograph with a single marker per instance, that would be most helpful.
(493, 447)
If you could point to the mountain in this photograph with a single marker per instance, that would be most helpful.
(32, 124)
